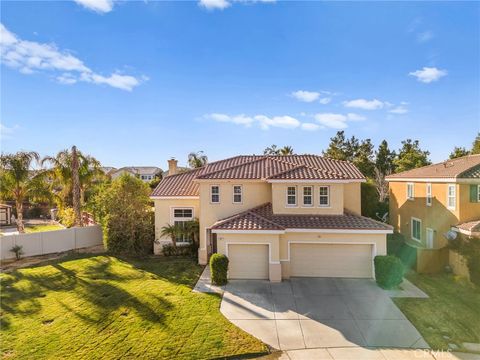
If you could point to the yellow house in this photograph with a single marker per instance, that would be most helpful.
(274, 216)
(428, 203)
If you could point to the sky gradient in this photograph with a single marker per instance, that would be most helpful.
(135, 83)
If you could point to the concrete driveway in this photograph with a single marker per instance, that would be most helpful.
(307, 313)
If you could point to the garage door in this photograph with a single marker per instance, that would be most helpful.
(331, 260)
(248, 261)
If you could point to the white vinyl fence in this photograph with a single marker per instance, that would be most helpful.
(49, 242)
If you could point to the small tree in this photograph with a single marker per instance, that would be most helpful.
(411, 156)
(476, 145)
(458, 152)
(192, 229)
(124, 210)
(173, 232)
(197, 159)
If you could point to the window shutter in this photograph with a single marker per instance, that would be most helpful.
(473, 193)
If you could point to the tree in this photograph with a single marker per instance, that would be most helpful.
(123, 208)
(197, 159)
(76, 188)
(384, 158)
(458, 152)
(363, 157)
(20, 182)
(337, 149)
(192, 230)
(173, 232)
(411, 156)
(271, 150)
(62, 177)
(476, 145)
(286, 150)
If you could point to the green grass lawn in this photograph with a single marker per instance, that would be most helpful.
(450, 315)
(42, 227)
(106, 307)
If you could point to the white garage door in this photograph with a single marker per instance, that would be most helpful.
(331, 260)
(248, 261)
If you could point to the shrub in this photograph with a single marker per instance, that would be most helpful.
(469, 248)
(389, 271)
(371, 205)
(180, 250)
(218, 269)
(397, 246)
(67, 217)
(34, 212)
(18, 251)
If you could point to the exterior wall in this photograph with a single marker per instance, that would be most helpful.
(50, 242)
(437, 216)
(163, 216)
(254, 194)
(279, 199)
(271, 239)
(379, 240)
(468, 210)
(352, 197)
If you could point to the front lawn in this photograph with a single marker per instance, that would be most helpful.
(42, 227)
(107, 307)
(450, 316)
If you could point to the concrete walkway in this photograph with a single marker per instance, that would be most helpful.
(311, 313)
(204, 284)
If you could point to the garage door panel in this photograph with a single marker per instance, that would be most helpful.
(247, 261)
(331, 260)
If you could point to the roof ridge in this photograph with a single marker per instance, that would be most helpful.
(261, 157)
(286, 171)
(279, 159)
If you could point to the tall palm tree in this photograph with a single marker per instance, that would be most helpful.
(76, 187)
(192, 230)
(62, 175)
(286, 150)
(197, 159)
(19, 181)
(173, 232)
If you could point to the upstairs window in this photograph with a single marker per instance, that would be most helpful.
(451, 196)
(237, 194)
(307, 196)
(183, 213)
(215, 194)
(324, 196)
(429, 194)
(291, 196)
(410, 191)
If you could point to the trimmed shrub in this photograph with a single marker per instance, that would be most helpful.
(397, 246)
(183, 250)
(389, 271)
(218, 269)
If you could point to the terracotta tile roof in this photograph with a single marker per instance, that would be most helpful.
(261, 167)
(262, 218)
(471, 226)
(463, 167)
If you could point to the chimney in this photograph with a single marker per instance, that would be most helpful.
(172, 166)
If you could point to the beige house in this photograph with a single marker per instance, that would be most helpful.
(275, 216)
(429, 202)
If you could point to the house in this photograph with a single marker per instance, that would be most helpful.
(275, 216)
(5, 214)
(144, 173)
(429, 202)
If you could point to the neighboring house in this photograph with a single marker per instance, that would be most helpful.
(275, 216)
(428, 202)
(5, 214)
(144, 173)
(108, 170)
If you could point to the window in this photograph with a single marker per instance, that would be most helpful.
(451, 198)
(291, 195)
(181, 216)
(429, 194)
(237, 194)
(324, 196)
(307, 196)
(215, 194)
(430, 236)
(410, 191)
(416, 229)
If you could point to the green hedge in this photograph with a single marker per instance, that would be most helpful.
(218, 269)
(389, 271)
(397, 246)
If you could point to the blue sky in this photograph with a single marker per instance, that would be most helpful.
(134, 83)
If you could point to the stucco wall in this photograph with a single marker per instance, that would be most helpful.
(279, 199)
(352, 197)
(468, 210)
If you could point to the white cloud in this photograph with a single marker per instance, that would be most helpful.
(31, 56)
(428, 74)
(325, 100)
(335, 121)
(100, 6)
(310, 126)
(364, 104)
(306, 96)
(355, 117)
(237, 119)
(7, 132)
(399, 110)
(223, 4)
(425, 36)
(263, 121)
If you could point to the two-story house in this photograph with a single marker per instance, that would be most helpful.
(428, 202)
(275, 216)
(144, 173)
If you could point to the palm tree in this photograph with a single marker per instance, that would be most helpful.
(192, 230)
(19, 181)
(271, 150)
(62, 175)
(286, 150)
(197, 159)
(76, 187)
(173, 232)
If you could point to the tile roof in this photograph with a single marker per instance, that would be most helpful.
(262, 218)
(471, 226)
(261, 167)
(463, 167)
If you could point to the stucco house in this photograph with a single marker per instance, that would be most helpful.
(275, 216)
(144, 173)
(428, 202)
